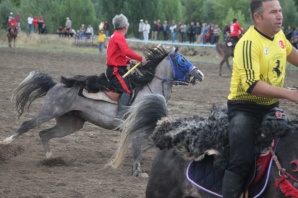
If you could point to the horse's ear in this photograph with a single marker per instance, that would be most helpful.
(176, 49)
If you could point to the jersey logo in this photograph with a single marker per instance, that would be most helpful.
(277, 69)
(266, 50)
(281, 44)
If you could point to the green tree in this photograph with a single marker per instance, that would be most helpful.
(6, 7)
(134, 10)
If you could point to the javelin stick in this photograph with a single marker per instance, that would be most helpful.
(131, 69)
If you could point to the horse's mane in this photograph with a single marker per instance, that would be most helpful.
(95, 83)
(154, 56)
(192, 136)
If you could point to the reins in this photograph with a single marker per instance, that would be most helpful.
(282, 172)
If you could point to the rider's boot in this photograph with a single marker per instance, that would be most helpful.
(122, 108)
(232, 186)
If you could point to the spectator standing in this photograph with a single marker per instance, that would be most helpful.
(154, 31)
(141, 28)
(18, 20)
(165, 30)
(216, 33)
(101, 26)
(173, 29)
(29, 22)
(35, 24)
(68, 24)
(198, 32)
(159, 29)
(182, 31)
(101, 41)
(40, 23)
(204, 32)
(146, 30)
(106, 28)
(191, 32)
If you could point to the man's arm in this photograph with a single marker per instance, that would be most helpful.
(265, 90)
(293, 57)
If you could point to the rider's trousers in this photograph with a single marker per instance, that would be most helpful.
(245, 119)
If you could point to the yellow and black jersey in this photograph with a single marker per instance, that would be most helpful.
(258, 57)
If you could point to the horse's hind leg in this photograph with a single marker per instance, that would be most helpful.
(136, 148)
(65, 125)
(220, 66)
(228, 64)
(27, 125)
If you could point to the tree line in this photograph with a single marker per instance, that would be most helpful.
(92, 12)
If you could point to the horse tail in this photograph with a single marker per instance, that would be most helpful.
(34, 86)
(142, 117)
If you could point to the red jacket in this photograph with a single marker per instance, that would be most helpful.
(118, 52)
(12, 23)
(235, 28)
(35, 21)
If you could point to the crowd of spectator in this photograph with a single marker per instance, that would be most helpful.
(180, 32)
(292, 35)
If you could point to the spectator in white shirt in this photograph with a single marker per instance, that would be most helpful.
(146, 30)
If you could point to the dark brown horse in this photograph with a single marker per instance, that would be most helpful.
(194, 137)
(225, 52)
(12, 34)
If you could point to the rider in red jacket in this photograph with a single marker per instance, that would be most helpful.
(118, 56)
(235, 30)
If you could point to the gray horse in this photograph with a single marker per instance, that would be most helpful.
(195, 138)
(70, 110)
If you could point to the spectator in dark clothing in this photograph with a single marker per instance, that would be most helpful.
(198, 32)
(289, 33)
(165, 29)
(44, 29)
(191, 32)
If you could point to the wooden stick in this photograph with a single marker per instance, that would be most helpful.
(131, 69)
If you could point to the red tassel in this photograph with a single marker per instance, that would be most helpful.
(286, 187)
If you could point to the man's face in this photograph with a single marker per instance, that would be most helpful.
(270, 20)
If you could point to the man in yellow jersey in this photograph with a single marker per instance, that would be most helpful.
(257, 83)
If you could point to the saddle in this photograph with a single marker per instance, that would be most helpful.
(203, 175)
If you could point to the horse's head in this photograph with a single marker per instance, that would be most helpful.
(184, 71)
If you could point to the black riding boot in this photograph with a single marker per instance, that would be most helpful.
(232, 186)
(122, 107)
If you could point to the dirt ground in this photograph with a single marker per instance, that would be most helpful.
(77, 169)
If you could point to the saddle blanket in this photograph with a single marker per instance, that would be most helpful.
(203, 175)
(98, 96)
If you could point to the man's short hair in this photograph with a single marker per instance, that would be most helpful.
(257, 6)
(120, 21)
(234, 20)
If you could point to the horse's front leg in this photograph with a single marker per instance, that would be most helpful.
(136, 149)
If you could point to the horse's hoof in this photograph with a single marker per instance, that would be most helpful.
(140, 174)
(144, 175)
(49, 154)
(8, 140)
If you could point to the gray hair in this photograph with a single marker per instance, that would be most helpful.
(120, 21)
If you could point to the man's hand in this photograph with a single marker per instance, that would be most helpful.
(144, 61)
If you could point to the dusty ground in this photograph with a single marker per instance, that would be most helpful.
(77, 169)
